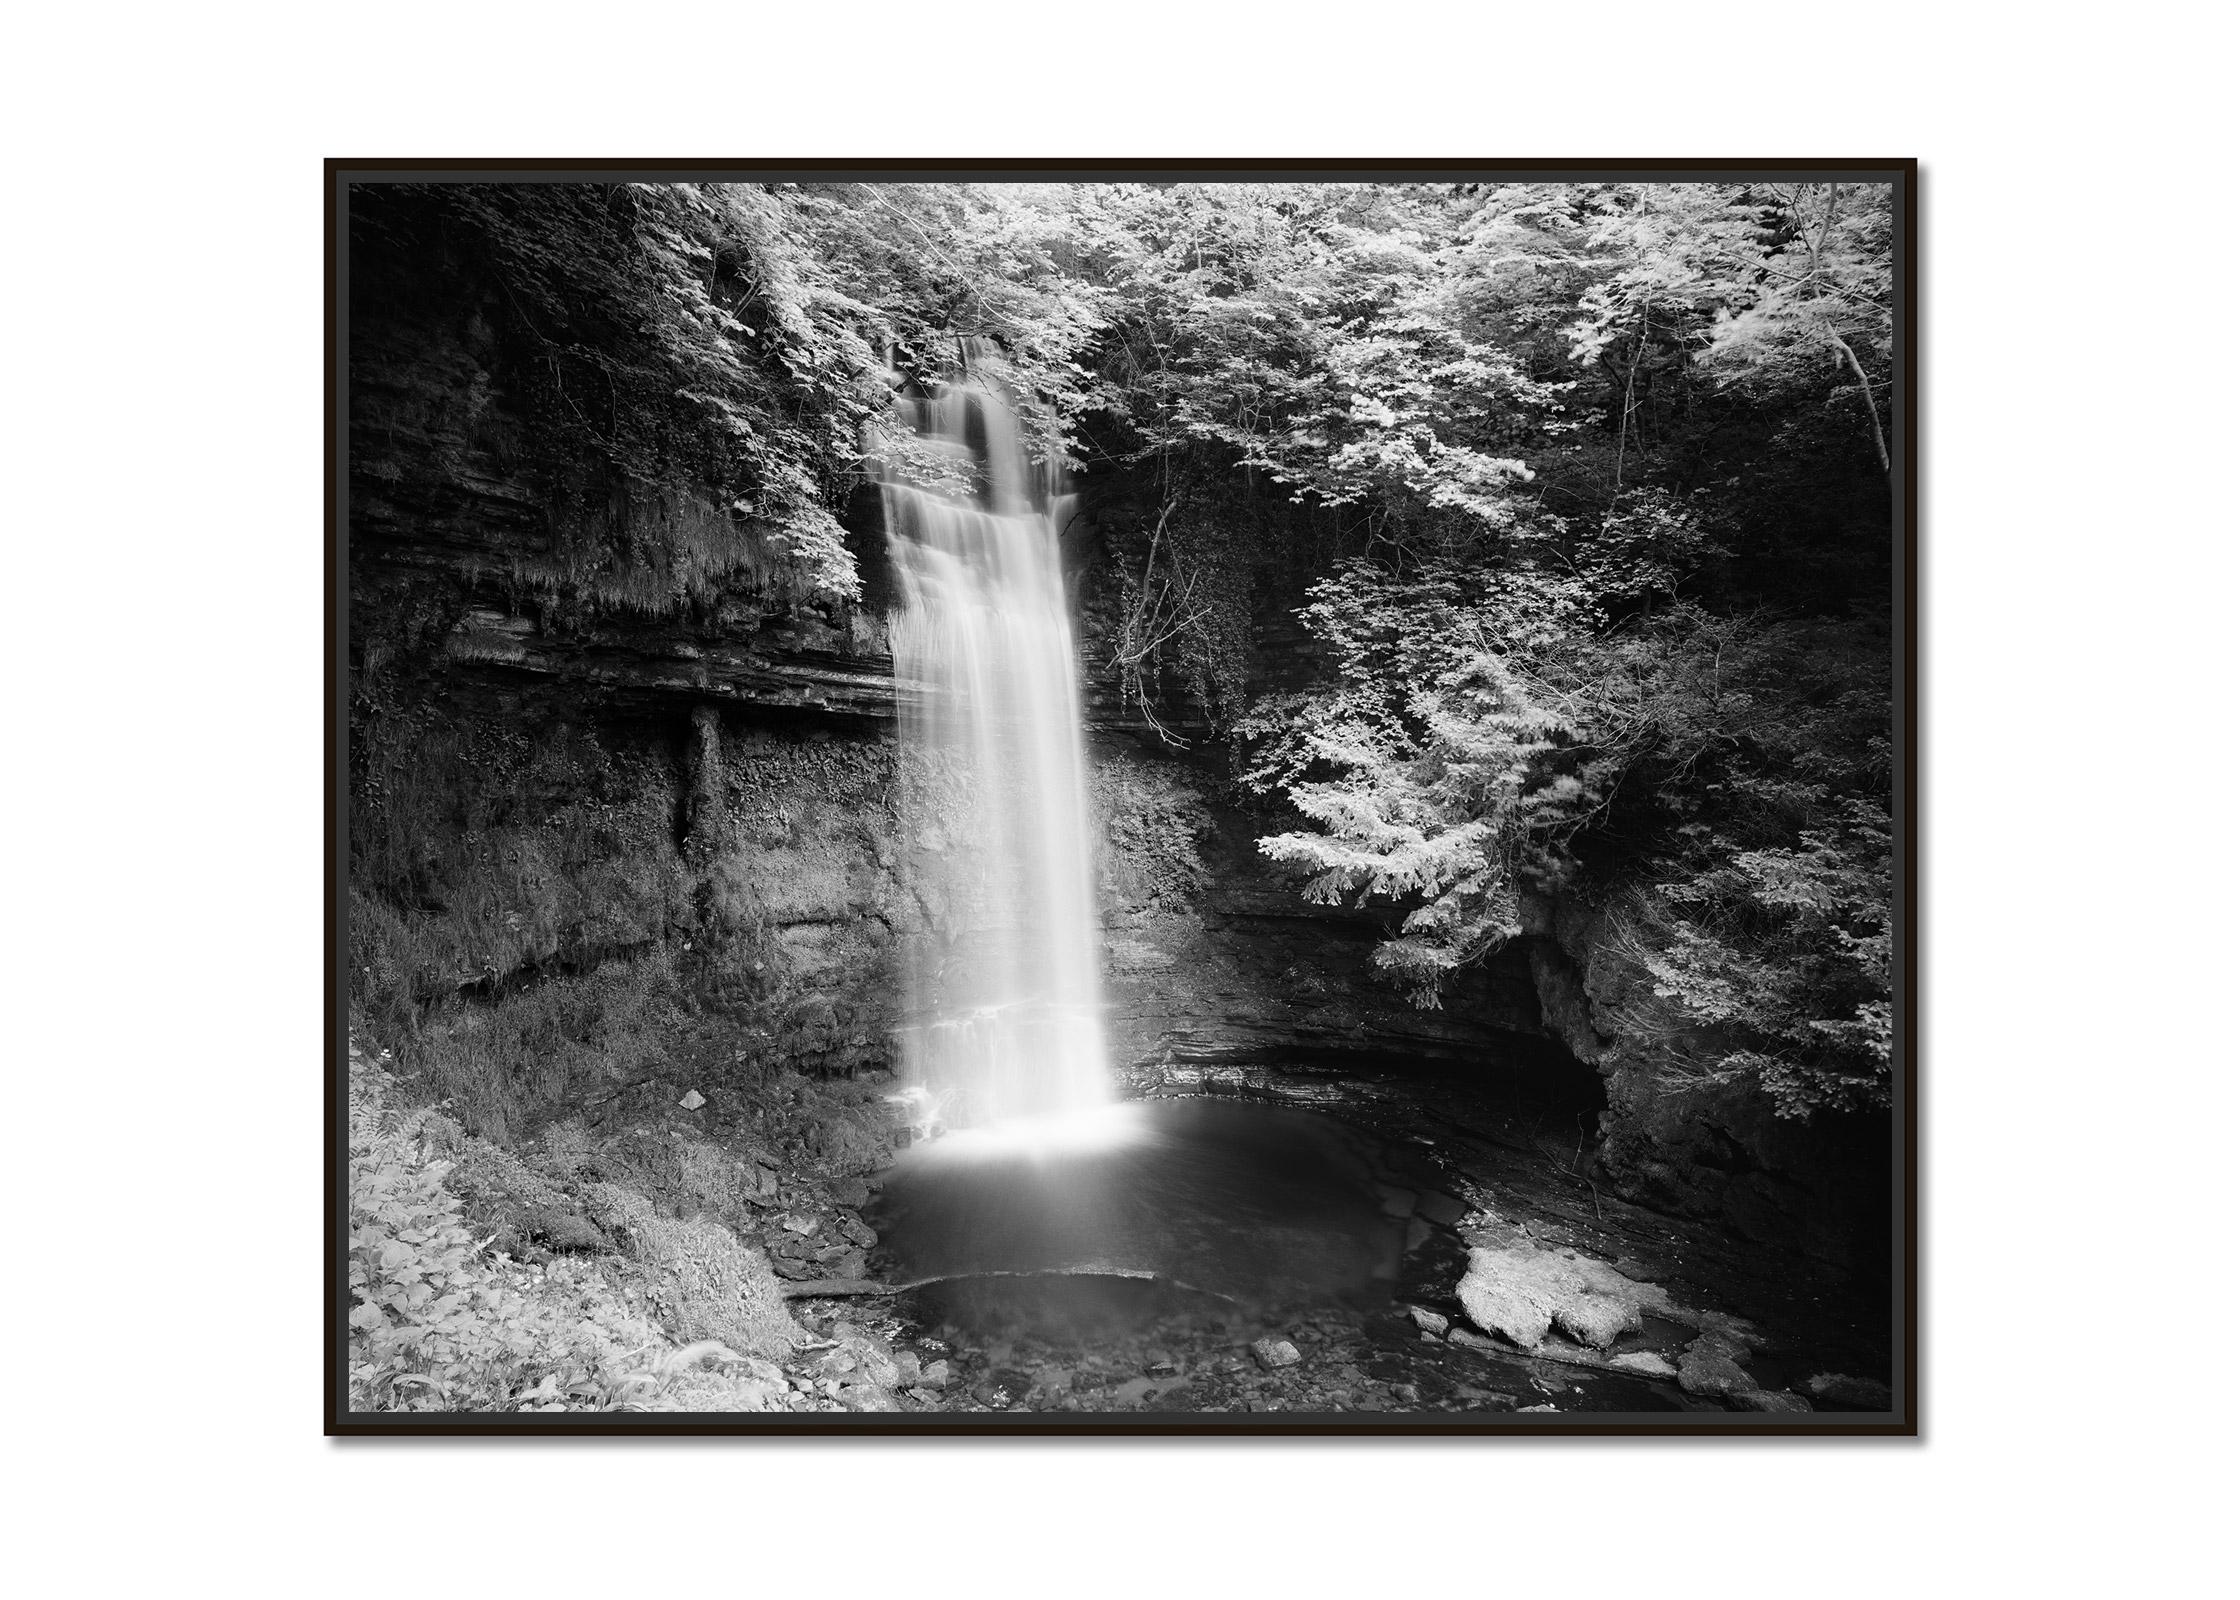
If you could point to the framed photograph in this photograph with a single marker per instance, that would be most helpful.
(1062, 798)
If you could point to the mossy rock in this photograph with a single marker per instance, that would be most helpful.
(517, 1205)
(706, 1283)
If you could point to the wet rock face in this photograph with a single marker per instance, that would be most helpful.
(806, 897)
(796, 865)
(1213, 957)
(1709, 1150)
(487, 564)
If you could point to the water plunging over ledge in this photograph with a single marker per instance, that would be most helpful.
(1004, 1005)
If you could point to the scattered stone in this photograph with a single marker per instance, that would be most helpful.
(693, 1100)
(1645, 1364)
(800, 1224)
(935, 1375)
(1848, 1393)
(1476, 1341)
(1160, 1364)
(1733, 1334)
(1536, 1408)
(1428, 1321)
(873, 1361)
(1706, 1369)
(850, 1266)
(855, 1232)
(1273, 1353)
(1131, 1394)
(907, 1372)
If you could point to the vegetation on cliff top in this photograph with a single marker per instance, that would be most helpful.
(1579, 490)
(1585, 489)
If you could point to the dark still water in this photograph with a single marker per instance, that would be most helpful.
(1107, 1214)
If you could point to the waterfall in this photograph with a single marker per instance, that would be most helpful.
(1003, 1017)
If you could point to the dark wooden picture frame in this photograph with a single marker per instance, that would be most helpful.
(1902, 1418)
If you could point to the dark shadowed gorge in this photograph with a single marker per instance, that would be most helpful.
(1481, 603)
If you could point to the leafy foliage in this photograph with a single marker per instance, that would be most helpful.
(1786, 952)
(1432, 770)
(699, 363)
(435, 1324)
(1582, 485)
(1486, 740)
(1578, 490)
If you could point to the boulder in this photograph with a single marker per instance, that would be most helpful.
(1273, 1353)
(1513, 1293)
(1644, 1364)
(1520, 1291)
(1597, 1319)
(1708, 1370)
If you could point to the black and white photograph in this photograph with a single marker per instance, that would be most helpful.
(1055, 800)
(1005, 800)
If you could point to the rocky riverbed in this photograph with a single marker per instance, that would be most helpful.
(1518, 1288)
(1486, 1274)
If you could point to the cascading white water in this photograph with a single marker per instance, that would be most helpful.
(1004, 1005)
